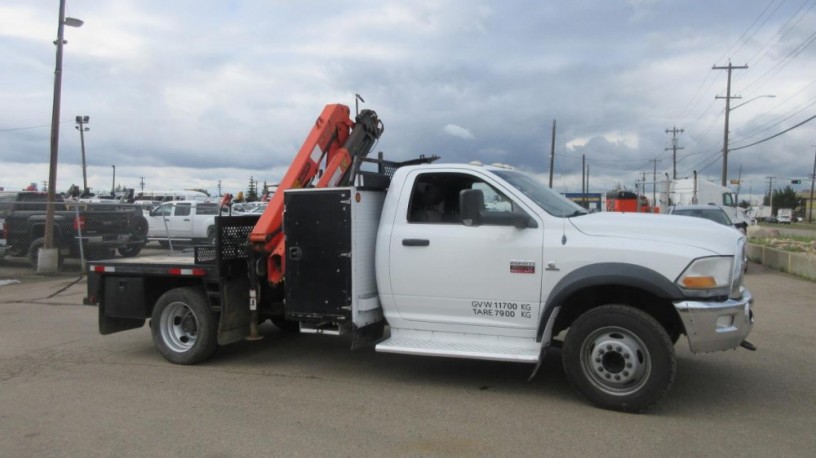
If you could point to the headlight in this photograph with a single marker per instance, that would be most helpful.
(707, 277)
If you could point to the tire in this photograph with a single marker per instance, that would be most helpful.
(184, 329)
(34, 253)
(129, 251)
(619, 358)
(211, 236)
(140, 227)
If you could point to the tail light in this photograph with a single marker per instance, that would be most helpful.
(79, 223)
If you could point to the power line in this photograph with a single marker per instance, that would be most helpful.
(776, 135)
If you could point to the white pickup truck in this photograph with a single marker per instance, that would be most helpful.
(461, 261)
(182, 221)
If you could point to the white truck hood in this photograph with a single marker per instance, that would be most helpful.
(680, 230)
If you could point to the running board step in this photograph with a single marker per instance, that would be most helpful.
(472, 347)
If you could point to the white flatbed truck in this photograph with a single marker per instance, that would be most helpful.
(419, 264)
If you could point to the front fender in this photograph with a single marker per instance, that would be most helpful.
(606, 274)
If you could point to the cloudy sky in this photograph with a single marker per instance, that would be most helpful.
(186, 93)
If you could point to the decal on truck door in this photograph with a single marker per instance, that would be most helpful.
(522, 267)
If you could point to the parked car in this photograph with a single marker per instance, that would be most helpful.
(102, 229)
(709, 212)
(183, 221)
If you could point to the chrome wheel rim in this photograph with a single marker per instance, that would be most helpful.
(615, 361)
(179, 327)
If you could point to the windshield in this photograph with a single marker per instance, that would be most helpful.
(553, 203)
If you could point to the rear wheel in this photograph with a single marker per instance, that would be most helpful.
(211, 236)
(183, 326)
(620, 358)
(129, 251)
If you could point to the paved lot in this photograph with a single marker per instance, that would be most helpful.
(67, 391)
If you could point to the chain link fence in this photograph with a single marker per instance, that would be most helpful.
(81, 232)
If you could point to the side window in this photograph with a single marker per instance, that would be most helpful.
(164, 210)
(494, 200)
(435, 198)
(728, 199)
(182, 210)
(208, 209)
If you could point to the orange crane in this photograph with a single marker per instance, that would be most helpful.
(338, 141)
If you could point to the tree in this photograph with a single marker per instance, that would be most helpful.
(252, 190)
(783, 198)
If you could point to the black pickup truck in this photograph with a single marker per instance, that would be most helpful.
(102, 228)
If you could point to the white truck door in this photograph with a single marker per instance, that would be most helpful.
(447, 273)
(159, 221)
(181, 223)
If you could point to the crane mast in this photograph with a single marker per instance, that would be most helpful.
(334, 140)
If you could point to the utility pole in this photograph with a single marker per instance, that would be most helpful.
(552, 154)
(674, 131)
(727, 112)
(141, 183)
(770, 193)
(219, 188)
(583, 173)
(654, 180)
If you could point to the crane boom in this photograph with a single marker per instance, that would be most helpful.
(333, 138)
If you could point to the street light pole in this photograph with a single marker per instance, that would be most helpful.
(81, 121)
(48, 242)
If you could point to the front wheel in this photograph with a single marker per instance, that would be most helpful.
(183, 326)
(620, 358)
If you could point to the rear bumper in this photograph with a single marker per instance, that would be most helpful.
(715, 326)
(108, 241)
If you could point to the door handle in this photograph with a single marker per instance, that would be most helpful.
(186, 219)
(415, 242)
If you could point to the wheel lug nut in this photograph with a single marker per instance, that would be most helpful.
(626, 373)
(619, 348)
(617, 377)
(629, 365)
(597, 360)
(626, 355)
(609, 347)
(608, 376)
(600, 368)
(600, 352)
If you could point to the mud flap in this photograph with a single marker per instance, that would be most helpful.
(233, 325)
(368, 336)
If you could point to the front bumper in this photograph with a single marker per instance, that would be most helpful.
(715, 326)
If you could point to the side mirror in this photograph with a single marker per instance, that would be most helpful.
(471, 209)
(471, 203)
